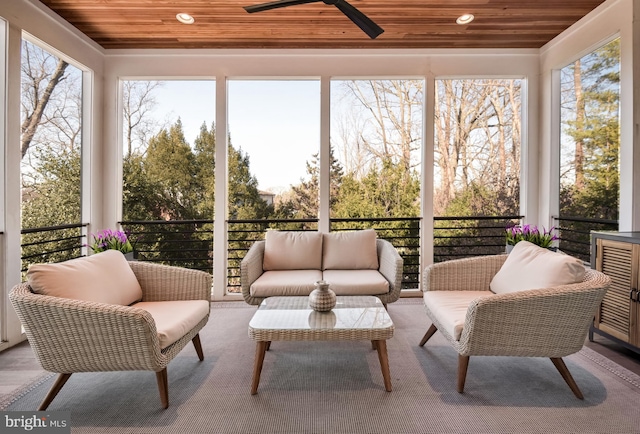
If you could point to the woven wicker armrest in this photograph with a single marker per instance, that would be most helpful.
(78, 336)
(251, 269)
(550, 322)
(166, 283)
(391, 267)
(468, 274)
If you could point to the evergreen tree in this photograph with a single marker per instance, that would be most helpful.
(139, 198)
(53, 201)
(204, 148)
(244, 197)
(598, 133)
(302, 202)
(170, 164)
(389, 191)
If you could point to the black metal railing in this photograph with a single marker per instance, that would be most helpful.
(52, 244)
(189, 243)
(461, 237)
(575, 234)
(403, 233)
(186, 243)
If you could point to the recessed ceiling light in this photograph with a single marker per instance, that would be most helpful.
(465, 19)
(185, 18)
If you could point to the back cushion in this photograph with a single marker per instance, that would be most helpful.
(355, 250)
(285, 250)
(103, 277)
(529, 266)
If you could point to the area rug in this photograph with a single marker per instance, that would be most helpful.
(337, 387)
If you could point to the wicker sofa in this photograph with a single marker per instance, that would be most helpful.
(289, 263)
(531, 303)
(103, 313)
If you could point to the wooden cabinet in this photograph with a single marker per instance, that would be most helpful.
(617, 254)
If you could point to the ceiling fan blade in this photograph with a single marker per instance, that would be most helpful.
(360, 19)
(276, 5)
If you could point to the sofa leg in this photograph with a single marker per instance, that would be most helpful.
(198, 346)
(163, 387)
(463, 364)
(568, 378)
(428, 334)
(60, 381)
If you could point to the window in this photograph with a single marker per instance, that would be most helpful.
(51, 147)
(477, 164)
(274, 140)
(589, 147)
(168, 170)
(376, 148)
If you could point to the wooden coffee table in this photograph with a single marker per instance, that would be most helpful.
(291, 319)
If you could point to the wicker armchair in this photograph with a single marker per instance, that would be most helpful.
(70, 335)
(551, 322)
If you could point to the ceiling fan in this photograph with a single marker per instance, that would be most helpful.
(360, 19)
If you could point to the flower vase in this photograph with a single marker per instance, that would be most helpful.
(322, 298)
(509, 248)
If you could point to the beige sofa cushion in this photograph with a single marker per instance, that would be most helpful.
(288, 250)
(285, 282)
(356, 282)
(450, 308)
(530, 266)
(174, 319)
(103, 277)
(353, 250)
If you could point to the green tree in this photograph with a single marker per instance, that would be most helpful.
(170, 164)
(590, 187)
(244, 197)
(50, 142)
(54, 201)
(302, 202)
(389, 191)
(139, 198)
(166, 183)
(204, 194)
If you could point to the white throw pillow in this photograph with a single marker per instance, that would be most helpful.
(353, 250)
(288, 250)
(529, 266)
(103, 277)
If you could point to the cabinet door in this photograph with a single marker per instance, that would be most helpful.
(634, 324)
(617, 260)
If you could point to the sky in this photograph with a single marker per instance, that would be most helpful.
(277, 123)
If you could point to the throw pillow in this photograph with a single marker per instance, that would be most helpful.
(288, 250)
(529, 266)
(102, 277)
(352, 250)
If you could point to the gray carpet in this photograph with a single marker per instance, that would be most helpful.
(337, 387)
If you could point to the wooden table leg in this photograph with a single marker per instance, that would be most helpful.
(261, 349)
(381, 346)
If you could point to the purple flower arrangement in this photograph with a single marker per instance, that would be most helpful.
(111, 240)
(543, 238)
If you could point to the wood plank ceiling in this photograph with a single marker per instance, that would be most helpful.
(406, 23)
